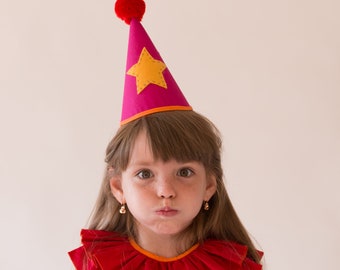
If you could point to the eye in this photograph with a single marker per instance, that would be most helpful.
(185, 172)
(144, 174)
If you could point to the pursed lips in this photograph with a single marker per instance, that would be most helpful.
(166, 211)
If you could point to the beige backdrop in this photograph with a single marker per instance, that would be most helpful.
(266, 72)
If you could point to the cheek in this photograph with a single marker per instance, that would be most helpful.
(199, 189)
(134, 195)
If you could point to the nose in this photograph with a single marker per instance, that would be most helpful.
(165, 188)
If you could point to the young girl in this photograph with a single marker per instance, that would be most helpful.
(163, 203)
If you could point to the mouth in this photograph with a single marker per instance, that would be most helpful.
(166, 212)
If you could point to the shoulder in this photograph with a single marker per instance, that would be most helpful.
(229, 253)
(96, 245)
(99, 235)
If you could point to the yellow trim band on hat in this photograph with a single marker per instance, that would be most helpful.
(156, 110)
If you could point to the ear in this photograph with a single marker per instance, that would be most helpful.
(211, 187)
(116, 188)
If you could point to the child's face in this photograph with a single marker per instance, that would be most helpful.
(164, 197)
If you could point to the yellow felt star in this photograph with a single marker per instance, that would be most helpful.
(148, 70)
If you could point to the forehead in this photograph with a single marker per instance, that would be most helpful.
(141, 146)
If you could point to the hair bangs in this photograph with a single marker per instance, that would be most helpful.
(181, 136)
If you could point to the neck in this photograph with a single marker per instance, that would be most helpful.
(167, 246)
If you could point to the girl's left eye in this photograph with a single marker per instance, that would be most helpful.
(185, 172)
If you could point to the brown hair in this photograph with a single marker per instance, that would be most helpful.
(183, 136)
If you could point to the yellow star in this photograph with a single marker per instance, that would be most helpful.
(148, 70)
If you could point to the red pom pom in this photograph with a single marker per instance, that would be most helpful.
(129, 9)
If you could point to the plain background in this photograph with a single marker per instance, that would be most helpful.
(266, 72)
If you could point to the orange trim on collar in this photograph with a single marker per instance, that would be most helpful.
(161, 258)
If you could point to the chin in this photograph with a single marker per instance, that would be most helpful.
(168, 231)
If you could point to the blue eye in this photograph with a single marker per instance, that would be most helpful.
(144, 174)
(185, 172)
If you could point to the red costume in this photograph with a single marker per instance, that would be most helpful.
(102, 250)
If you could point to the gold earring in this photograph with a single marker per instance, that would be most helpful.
(122, 209)
(206, 206)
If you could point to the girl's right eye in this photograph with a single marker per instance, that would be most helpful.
(144, 174)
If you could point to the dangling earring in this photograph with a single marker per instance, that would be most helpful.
(122, 209)
(206, 205)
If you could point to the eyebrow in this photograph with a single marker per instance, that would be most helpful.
(141, 162)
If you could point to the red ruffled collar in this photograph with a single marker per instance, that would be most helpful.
(104, 250)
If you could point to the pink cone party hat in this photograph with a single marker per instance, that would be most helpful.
(149, 85)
